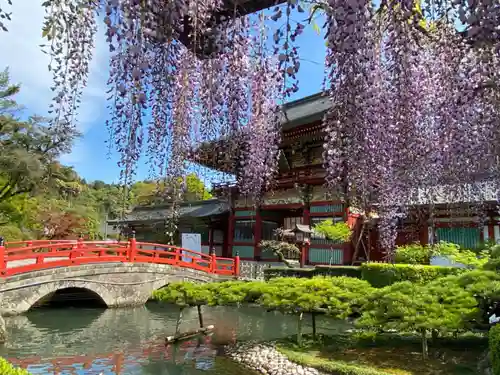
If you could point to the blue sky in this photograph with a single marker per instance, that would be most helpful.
(28, 66)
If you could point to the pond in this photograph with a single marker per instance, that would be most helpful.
(131, 341)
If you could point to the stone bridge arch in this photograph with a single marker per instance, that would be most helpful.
(48, 290)
(117, 284)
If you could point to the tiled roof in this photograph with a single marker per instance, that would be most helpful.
(206, 208)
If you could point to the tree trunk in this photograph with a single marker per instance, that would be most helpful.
(179, 321)
(200, 316)
(282, 259)
(313, 316)
(425, 348)
(299, 329)
(435, 335)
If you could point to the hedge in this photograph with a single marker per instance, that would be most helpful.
(377, 274)
(7, 369)
(350, 271)
(494, 344)
(383, 274)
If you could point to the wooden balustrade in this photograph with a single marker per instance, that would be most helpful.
(26, 256)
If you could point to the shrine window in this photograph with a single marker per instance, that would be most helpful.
(268, 229)
(243, 230)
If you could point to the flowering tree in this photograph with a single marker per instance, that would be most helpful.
(414, 102)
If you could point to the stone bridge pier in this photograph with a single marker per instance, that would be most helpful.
(116, 284)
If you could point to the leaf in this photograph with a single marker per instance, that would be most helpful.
(316, 28)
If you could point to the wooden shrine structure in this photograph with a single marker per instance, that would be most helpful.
(230, 224)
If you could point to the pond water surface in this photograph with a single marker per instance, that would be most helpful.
(131, 341)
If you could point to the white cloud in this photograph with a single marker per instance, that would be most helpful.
(20, 51)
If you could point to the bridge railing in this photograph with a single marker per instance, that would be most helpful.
(21, 257)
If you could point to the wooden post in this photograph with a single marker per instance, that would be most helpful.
(200, 316)
(257, 235)
(210, 237)
(2, 255)
(132, 247)
(299, 329)
(179, 321)
(228, 246)
(313, 317)
(304, 254)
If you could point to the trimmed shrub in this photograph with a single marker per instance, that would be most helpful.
(8, 369)
(413, 254)
(384, 274)
(494, 344)
(350, 271)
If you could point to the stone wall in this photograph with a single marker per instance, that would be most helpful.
(118, 284)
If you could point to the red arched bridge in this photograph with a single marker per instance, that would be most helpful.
(115, 273)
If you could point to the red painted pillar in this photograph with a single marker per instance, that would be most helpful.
(228, 246)
(132, 250)
(237, 265)
(257, 234)
(2, 256)
(213, 261)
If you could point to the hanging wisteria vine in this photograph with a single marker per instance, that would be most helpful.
(414, 99)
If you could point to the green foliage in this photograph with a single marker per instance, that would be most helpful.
(384, 274)
(7, 369)
(493, 263)
(11, 232)
(413, 254)
(149, 193)
(340, 232)
(184, 294)
(494, 344)
(351, 271)
(441, 306)
(336, 296)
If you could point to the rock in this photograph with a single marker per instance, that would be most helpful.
(267, 360)
(3, 331)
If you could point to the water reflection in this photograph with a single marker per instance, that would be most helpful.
(131, 341)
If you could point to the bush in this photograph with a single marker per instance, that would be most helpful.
(11, 233)
(413, 254)
(274, 272)
(7, 369)
(384, 274)
(494, 344)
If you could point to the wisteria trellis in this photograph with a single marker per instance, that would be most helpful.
(414, 98)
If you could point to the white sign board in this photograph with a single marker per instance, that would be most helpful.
(190, 241)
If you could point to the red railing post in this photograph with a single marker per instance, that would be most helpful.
(2, 256)
(237, 264)
(132, 250)
(213, 262)
(177, 256)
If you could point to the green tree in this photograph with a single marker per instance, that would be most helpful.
(29, 148)
(441, 306)
(339, 232)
